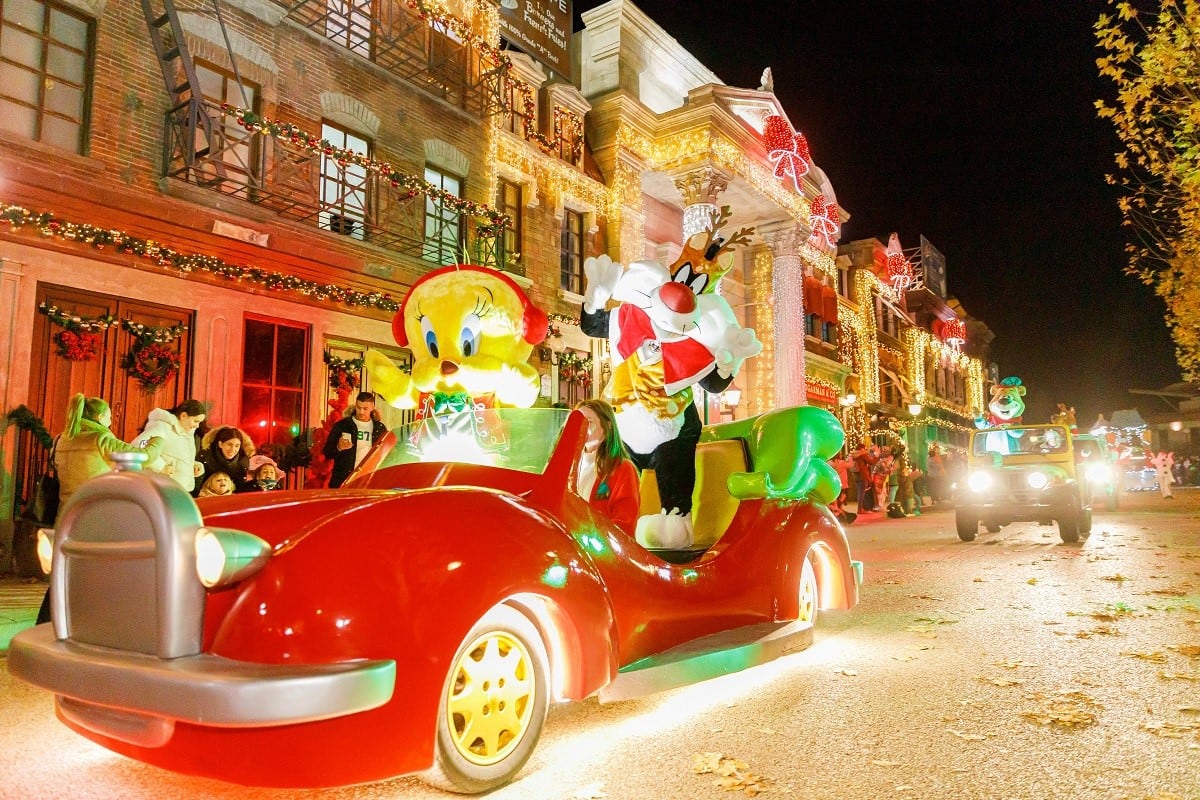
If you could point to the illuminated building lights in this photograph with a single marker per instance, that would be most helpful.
(763, 396)
(899, 268)
(698, 217)
(786, 149)
(954, 332)
(826, 223)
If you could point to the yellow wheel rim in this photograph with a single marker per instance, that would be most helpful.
(808, 593)
(491, 696)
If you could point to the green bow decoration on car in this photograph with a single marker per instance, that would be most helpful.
(444, 403)
(789, 452)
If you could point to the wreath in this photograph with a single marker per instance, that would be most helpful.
(77, 345)
(151, 363)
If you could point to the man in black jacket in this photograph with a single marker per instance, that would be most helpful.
(352, 437)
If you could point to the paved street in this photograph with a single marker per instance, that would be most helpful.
(1011, 667)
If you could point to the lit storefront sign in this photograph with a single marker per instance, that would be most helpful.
(821, 392)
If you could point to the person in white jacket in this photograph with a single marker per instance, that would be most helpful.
(177, 428)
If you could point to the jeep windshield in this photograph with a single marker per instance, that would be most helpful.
(513, 438)
(1021, 441)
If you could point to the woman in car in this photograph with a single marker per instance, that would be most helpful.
(607, 478)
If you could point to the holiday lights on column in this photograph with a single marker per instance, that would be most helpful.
(762, 367)
(787, 294)
(700, 189)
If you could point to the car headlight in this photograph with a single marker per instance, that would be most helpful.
(225, 556)
(45, 548)
(1098, 473)
(979, 481)
(1037, 480)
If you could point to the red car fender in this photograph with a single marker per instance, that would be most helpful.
(816, 530)
(397, 579)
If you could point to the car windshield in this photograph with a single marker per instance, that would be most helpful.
(1089, 449)
(512, 438)
(1021, 441)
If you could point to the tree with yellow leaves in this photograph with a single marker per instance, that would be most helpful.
(1154, 60)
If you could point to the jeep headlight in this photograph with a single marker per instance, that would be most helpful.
(1037, 480)
(225, 556)
(979, 481)
(1098, 473)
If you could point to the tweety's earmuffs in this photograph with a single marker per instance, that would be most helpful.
(534, 322)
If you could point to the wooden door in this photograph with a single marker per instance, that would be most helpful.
(54, 379)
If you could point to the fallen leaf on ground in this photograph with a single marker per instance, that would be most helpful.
(1117, 577)
(1157, 656)
(1067, 710)
(1178, 676)
(1189, 650)
(881, 763)
(1014, 664)
(844, 671)
(979, 580)
(1000, 681)
(733, 774)
(970, 737)
(1170, 730)
(1032, 581)
(926, 597)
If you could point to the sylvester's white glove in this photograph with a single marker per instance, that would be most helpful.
(738, 345)
(602, 276)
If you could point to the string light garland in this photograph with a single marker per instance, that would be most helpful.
(295, 137)
(150, 333)
(51, 226)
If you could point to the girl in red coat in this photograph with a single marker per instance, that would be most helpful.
(607, 478)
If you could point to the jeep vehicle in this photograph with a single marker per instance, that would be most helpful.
(1096, 464)
(1023, 473)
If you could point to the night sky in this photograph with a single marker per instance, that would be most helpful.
(973, 124)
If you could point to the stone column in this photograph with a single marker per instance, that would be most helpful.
(700, 189)
(787, 296)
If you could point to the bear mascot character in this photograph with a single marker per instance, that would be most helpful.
(669, 332)
(1005, 409)
(471, 330)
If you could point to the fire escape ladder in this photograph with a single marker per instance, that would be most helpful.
(179, 74)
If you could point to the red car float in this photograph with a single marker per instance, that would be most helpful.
(422, 618)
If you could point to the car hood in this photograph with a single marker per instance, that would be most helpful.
(280, 515)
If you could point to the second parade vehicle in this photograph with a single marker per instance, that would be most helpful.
(1023, 473)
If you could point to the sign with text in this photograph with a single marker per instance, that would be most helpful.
(542, 28)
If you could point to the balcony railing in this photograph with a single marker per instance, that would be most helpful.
(342, 198)
(429, 52)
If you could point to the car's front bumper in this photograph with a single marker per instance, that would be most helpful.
(115, 692)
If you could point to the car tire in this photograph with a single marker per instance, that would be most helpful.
(967, 526)
(992, 527)
(501, 669)
(1085, 521)
(810, 595)
(1112, 502)
(1068, 525)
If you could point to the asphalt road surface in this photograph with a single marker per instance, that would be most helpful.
(1014, 666)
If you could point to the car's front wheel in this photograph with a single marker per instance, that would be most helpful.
(967, 525)
(1069, 523)
(493, 704)
(1112, 502)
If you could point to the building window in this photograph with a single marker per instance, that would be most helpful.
(344, 188)
(572, 251)
(46, 56)
(235, 150)
(508, 200)
(829, 333)
(443, 225)
(348, 22)
(274, 380)
(811, 323)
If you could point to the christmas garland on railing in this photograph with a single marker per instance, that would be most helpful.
(51, 226)
(26, 420)
(297, 137)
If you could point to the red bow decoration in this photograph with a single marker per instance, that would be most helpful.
(786, 149)
(954, 332)
(826, 223)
